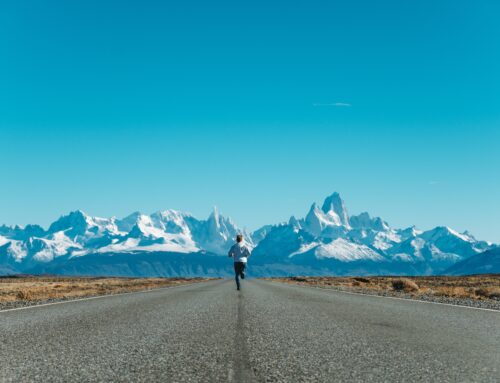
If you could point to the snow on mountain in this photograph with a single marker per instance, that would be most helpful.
(78, 235)
(326, 241)
(344, 250)
(15, 250)
(3, 240)
(56, 245)
(217, 233)
(333, 235)
(295, 223)
(439, 244)
(339, 249)
(444, 232)
(380, 240)
(281, 243)
(259, 234)
(364, 221)
(165, 231)
(79, 226)
(334, 207)
(317, 221)
(410, 232)
(126, 224)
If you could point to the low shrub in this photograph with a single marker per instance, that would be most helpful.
(488, 292)
(404, 284)
(25, 295)
(299, 279)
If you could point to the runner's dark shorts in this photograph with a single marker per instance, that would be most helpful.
(239, 267)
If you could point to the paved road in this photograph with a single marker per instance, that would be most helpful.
(266, 332)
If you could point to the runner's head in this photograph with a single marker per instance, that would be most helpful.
(239, 238)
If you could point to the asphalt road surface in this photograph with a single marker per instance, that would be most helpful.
(266, 332)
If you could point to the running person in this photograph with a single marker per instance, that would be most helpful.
(240, 253)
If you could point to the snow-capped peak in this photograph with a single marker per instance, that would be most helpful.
(77, 220)
(444, 231)
(316, 221)
(335, 207)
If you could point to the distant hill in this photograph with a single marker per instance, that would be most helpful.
(487, 262)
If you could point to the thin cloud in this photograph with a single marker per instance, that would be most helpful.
(337, 104)
(433, 182)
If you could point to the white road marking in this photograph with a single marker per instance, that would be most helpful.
(383, 296)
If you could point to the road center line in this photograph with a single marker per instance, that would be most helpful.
(241, 370)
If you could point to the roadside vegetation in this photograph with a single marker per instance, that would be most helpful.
(477, 287)
(47, 288)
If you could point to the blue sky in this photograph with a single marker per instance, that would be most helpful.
(257, 108)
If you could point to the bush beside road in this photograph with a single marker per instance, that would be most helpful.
(481, 291)
(20, 291)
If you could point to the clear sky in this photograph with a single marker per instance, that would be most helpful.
(258, 107)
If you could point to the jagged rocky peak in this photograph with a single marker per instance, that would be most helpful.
(361, 221)
(315, 221)
(79, 223)
(364, 221)
(409, 232)
(332, 214)
(76, 220)
(295, 223)
(379, 224)
(335, 204)
(172, 221)
(126, 224)
(33, 231)
(18, 232)
(218, 225)
(220, 229)
(214, 217)
(314, 210)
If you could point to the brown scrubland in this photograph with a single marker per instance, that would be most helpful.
(42, 288)
(472, 287)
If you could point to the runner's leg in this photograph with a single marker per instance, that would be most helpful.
(237, 274)
(242, 273)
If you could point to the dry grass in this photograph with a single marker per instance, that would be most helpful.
(44, 288)
(404, 284)
(489, 292)
(472, 287)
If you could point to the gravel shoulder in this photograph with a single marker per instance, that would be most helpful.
(26, 291)
(457, 294)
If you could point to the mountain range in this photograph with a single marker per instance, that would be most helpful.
(327, 241)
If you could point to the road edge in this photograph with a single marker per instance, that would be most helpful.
(383, 296)
(104, 296)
